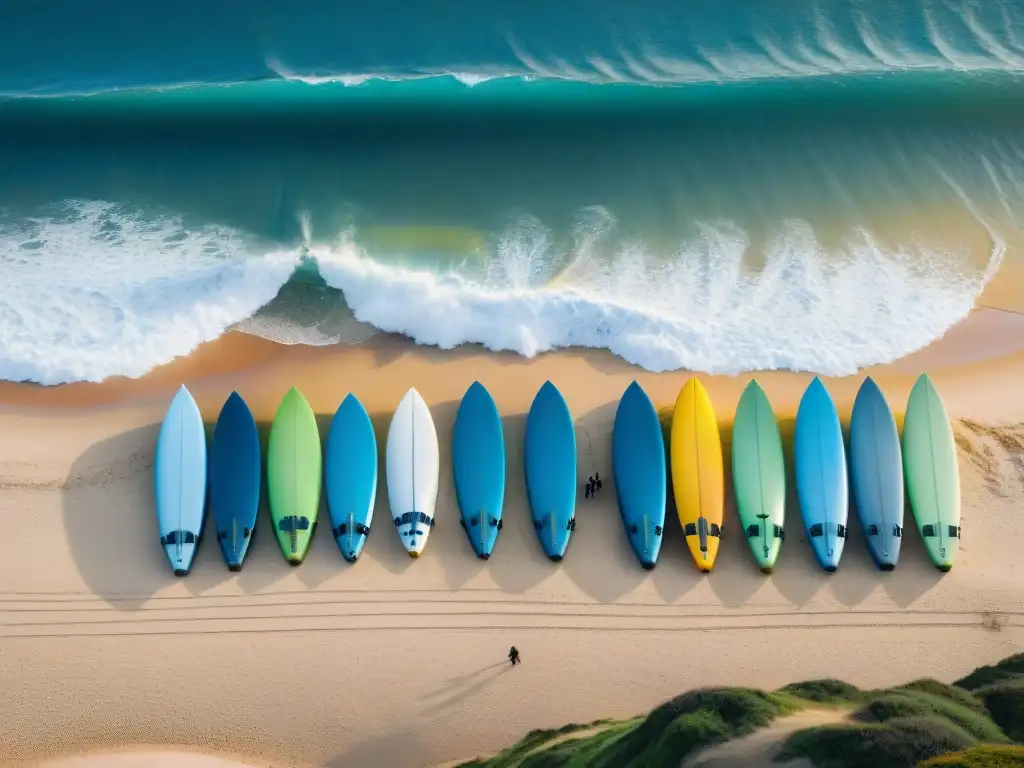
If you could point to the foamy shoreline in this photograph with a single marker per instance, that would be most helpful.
(387, 662)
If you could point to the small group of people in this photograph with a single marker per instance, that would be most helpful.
(593, 486)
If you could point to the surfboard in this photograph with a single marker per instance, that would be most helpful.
(235, 479)
(180, 481)
(549, 462)
(759, 475)
(698, 477)
(350, 475)
(876, 474)
(821, 474)
(931, 473)
(413, 468)
(294, 475)
(478, 467)
(638, 464)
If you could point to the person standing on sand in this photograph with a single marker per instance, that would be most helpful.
(513, 655)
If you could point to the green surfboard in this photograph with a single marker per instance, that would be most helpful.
(759, 475)
(294, 472)
(931, 473)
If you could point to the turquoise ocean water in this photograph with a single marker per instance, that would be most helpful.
(718, 186)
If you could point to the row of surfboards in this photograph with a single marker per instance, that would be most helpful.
(229, 479)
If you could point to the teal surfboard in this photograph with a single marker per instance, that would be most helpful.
(478, 466)
(549, 460)
(350, 474)
(235, 479)
(931, 473)
(638, 462)
(759, 475)
(180, 481)
(876, 474)
(821, 474)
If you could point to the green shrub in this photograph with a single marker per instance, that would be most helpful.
(901, 704)
(979, 757)
(1007, 669)
(825, 691)
(693, 721)
(959, 695)
(896, 744)
(1005, 703)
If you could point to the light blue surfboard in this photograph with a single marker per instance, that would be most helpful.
(478, 466)
(350, 474)
(638, 461)
(821, 474)
(180, 481)
(549, 459)
(235, 479)
(876, 474)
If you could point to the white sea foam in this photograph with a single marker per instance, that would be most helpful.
(93, 290)
(703, 310)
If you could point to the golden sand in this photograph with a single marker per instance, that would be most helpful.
(395, 662)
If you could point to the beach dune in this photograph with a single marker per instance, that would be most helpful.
(401, 662)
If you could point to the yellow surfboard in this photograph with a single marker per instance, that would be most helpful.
(698, 478)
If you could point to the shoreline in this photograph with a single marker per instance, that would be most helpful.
(988, 337)
(387, 660)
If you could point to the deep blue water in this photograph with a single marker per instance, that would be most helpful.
(713, 185)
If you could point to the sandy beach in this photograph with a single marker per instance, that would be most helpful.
(399, 662)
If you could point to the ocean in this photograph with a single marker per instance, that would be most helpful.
(713, 186)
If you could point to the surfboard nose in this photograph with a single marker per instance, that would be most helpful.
(945, 567)
(887, 567)
(235, 567)
(413, 553)
(294, 561)
(648, 565)
(555, 558)
(181, 571)
(830, 569)
(484, 555)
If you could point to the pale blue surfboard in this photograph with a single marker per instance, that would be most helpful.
(478, 466)
(638, 461)
(180, 481)
(350, 474)
(876, 474)
(821, 474)
(549, 459)
(235, 479)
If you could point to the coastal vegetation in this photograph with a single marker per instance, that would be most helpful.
(977, 722)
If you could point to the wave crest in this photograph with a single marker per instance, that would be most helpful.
(93, 290)
(704, 309)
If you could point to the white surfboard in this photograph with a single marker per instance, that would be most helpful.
(413, 467)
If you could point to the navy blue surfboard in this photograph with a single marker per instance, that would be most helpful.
(235, 479)
(638, 460)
